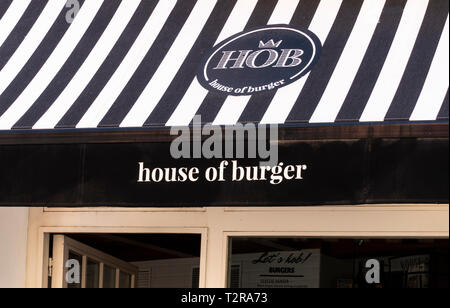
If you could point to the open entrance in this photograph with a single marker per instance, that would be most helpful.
(125, 260)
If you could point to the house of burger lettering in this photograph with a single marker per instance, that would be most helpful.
(260, 60)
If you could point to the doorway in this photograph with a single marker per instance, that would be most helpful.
(124, 260)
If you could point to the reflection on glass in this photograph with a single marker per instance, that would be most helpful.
(74, 271)
(109, 277)
(337, 263)
(124, 280)
(92, 274)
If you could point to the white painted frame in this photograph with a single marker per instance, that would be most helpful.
(217, 224)
(62, 245)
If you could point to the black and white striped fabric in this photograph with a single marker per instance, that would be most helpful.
(132, 63)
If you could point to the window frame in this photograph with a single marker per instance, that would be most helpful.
(217, 224)
(63, 245)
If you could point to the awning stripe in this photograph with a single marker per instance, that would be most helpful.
(40, 30)
(333, 48)
(231, 110)
(141, 63)
(373, 62)
(349, 62)
(4, 5)
(85, 60)
(234, 106)
(174, 94)
(125, 101)
(10, 14)
(212, 103)
(133, 63)
(124, 58)
(396, 62)
(420, 61)
(136, 68)
(53, 64)
(285, 98)
(283, 12)
(157, 86)
(436, 84)
(259, 104)
(443, 113)
(195, 94)
(14, 38)
(32, 54)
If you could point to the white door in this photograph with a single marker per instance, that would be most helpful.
(75, 265)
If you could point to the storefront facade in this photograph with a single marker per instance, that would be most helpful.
(218, 225)
(321, 141)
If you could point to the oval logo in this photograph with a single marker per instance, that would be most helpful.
(260, 60)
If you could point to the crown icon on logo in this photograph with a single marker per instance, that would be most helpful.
(270, 44)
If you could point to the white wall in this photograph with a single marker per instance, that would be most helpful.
(13, 247)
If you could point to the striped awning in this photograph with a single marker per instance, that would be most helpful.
(133, 63)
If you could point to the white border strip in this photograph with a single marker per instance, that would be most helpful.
(53, 64)
(30, 43)
(396, 61)
(11, 18)
(196, 94)
(286, 97)
(129, 65)
(87, 71)
(160, 82)
(436, 85)
(351, 58)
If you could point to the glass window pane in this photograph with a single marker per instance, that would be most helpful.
(109, 277)
(92, 274)
(124, 280)
(75, 269)
(338, 263)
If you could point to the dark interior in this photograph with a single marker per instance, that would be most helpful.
(143, 247)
